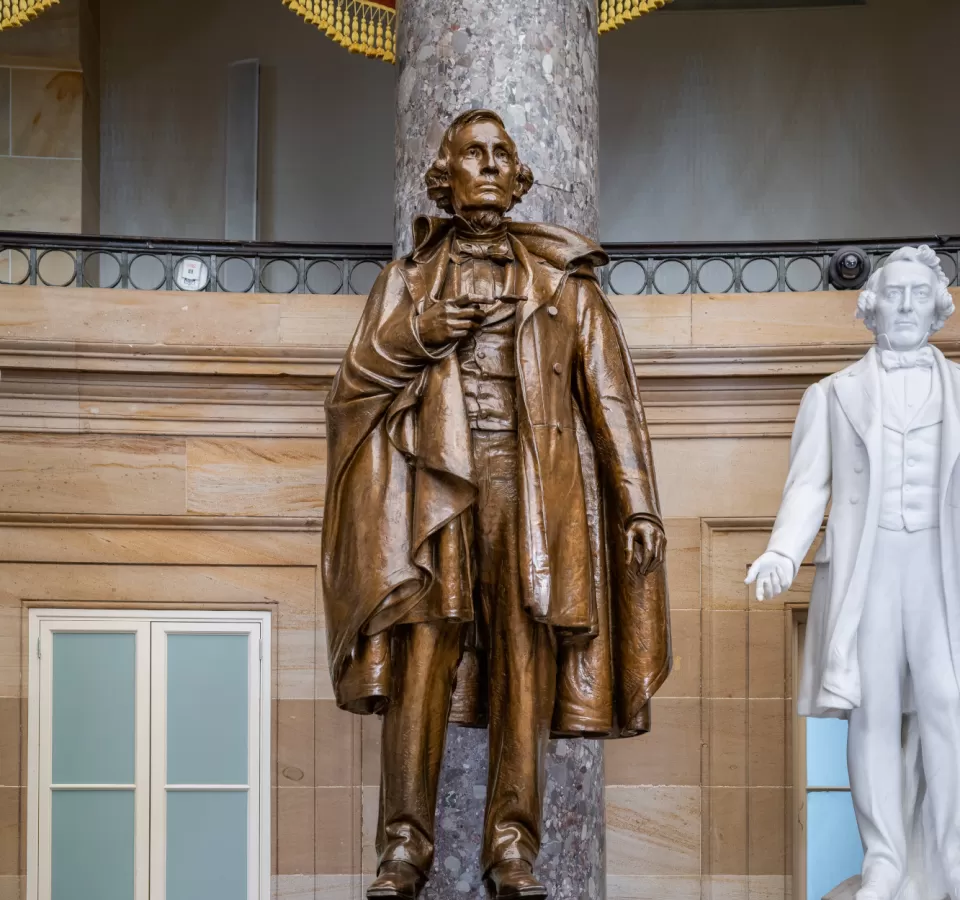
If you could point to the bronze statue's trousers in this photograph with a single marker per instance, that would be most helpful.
(522, 667)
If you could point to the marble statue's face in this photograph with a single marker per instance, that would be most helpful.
(483, 169)
(906, 304)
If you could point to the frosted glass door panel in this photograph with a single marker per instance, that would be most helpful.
(92, 853)
(94, 688)
(207, 709)
(834, 851)
(827, 753)
(206, 845)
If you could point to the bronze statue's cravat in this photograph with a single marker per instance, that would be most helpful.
(488, 367)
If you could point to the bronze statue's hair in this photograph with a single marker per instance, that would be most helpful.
(438, 184)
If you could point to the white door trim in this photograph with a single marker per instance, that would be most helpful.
(43, 622)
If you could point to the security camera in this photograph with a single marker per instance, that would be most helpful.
(849, 269)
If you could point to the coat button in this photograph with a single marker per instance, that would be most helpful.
(552, 310)
(481, 354)
(854, 500)
(858, 468)
(557, 368)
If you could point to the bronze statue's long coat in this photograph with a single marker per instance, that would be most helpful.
(398, 518)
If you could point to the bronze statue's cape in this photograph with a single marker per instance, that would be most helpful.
(398, 518)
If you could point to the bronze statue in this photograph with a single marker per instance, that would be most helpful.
(492, 542)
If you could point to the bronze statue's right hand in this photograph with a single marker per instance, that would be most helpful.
(447, 322)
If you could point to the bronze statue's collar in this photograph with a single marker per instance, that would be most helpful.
(468, 231)
(559, 247)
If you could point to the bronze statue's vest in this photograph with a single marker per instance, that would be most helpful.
(488, 368)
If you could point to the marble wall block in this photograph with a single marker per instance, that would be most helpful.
(101, 474)
(256, 476)
(653, 831)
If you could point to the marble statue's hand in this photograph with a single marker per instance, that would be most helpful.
(449, 321)
(773, 572)
(647, 544)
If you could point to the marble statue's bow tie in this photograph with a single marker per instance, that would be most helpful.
(907, 359)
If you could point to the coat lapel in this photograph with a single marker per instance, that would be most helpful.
(425, 269)
(931, 413)
(859, 394)
(950, 438)
(949, 453)
(537, 283)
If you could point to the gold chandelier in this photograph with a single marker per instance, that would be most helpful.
(16, 12)
(369, 27)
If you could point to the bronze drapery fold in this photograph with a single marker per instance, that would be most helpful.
(399, 494)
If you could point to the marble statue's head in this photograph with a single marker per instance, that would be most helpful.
(477, 174)
(907, 299)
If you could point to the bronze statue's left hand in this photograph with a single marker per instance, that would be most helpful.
(647, 544)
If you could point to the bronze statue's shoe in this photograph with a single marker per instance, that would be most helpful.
(397, 880)
(512, 880)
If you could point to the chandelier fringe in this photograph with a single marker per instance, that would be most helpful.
(361, 26)
(19, 12)
(614, 13)
(367, 27)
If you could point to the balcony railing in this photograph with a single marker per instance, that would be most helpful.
(60, 260)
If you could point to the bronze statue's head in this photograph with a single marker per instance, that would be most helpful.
(477, 174)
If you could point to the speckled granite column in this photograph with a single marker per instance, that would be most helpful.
(535, 63)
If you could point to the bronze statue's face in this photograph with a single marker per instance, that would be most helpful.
(483, 169)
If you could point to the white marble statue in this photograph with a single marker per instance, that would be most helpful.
(882, 439)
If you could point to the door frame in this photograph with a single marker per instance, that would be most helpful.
(40, 620)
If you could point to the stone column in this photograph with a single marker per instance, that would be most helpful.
(535, 63)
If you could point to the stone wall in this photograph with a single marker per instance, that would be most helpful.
(165, 449)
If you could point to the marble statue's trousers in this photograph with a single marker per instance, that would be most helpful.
(903, 647)
(522, 671)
